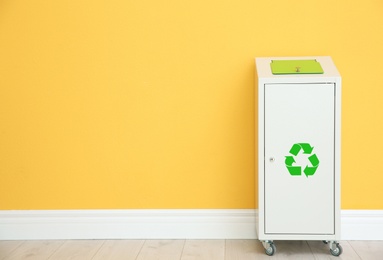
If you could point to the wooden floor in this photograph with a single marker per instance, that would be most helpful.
(182, 249)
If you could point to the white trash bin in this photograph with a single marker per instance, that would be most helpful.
(299, 112)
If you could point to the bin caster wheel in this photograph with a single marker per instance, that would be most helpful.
(337, 251)
(271, 249)
(325, 242)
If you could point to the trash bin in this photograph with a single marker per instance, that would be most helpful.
(299, 109)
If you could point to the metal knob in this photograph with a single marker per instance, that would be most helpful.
(272, 159)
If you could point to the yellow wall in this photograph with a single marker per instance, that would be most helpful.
(150, 104)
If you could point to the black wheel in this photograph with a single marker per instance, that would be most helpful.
(338, 250)
(325, 242)
(270, 250)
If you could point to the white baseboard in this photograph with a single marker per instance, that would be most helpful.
(160, 224)
(362, 224)
(126, 224)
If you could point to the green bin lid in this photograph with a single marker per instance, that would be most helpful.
(296, 67)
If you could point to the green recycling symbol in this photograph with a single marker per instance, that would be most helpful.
(295, 170)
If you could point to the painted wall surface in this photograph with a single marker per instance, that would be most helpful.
(150, 104)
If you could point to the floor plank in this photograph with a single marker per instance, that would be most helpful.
(161, 249)
(368, 250)
(78, 249)
(295, 249)
(203, 249)
(321, 251)
(35, 249)
(119, 249)
(248, 249)
(7, 247)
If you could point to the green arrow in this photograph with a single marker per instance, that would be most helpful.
(289, 160)
(295, 149)
(307, 149)
(294, 170)
(314, 160)
(309, 171)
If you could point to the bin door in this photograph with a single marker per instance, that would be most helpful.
(299, 158)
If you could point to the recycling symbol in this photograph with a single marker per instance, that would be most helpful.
(310, 168)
